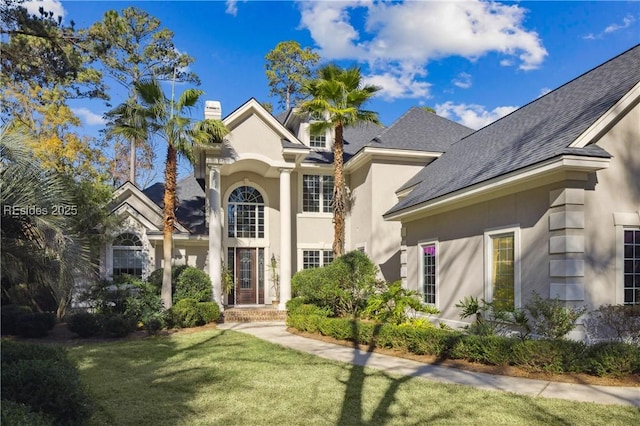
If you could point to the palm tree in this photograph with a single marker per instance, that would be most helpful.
(40, 253)
(166, 118)
(337, 94)
(129, 121)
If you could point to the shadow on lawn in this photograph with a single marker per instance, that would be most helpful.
(352, 410)
(130, 379)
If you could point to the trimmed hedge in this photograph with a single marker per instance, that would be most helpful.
(552, 356)
(20, 321)
(86, 324)
(15, 414)
(191, 313)
(45, 380)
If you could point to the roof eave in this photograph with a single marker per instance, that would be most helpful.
(368, 153)
(564, 163)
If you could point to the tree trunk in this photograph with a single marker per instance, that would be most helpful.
(339, 193)
(132, 162)
(169, 219)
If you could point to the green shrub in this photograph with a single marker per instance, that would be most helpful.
(35, 324)
(13, 351)
(293, 305)
(613, 359)
(10, 315)
(195, 284)
(118, 325)
(208, 311)
(155, 278)
(342, 286)
(85, 324)
(15, 414)
(394, 304)
(492, 350)
(143, 302)
(551, 319)
(45, 381)
(550, 356)
(308, 309)
(153, 323)
(191, 313)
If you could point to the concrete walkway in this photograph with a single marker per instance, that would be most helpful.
(275, 332)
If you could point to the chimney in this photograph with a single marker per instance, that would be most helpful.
(212, 110)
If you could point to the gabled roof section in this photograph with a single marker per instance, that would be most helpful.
(191, 203)
(252, 106)
(539, 131)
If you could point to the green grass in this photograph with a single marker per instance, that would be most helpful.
(227, 378)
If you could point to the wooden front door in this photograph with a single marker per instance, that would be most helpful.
(246, 276)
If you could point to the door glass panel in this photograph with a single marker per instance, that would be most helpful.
(245, 269)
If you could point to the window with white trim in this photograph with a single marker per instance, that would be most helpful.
(631, 268)
(318, 140)
(502, 261)
(429, 277)
(245, 213)
(317, 193)
(127, 255)
(316, 258)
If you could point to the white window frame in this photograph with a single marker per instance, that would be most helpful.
(239, 241)
(421, 246)
(321, 247)
(318, 141)
(322, 177)
(488, 263)
(135, 248)
(620, 250)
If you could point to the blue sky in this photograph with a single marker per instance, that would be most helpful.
(473, 61)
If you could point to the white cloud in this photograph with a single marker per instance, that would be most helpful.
(543, 91)
(472, 115)
(232, 7)
(463, 80)
(90, 118)
(33, 6)
(627, 21)
(406, 36)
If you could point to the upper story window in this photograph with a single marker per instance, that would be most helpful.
(317, 193)
(318, 140)
(127, 255)
(245, 213)
(631, 266)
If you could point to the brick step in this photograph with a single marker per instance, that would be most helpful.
(253, 315)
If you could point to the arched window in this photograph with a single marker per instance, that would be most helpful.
(245, 213)
(127, 255)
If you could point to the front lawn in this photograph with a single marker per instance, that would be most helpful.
(216, 377)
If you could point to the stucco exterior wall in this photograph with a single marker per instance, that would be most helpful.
(359, 218)
(384, 236)
(459, 235)
(254, 136)
(615, 201)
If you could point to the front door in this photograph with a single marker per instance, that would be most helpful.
(246, 273)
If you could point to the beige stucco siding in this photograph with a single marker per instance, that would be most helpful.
(359, 218)
(384, 237)
(253, 137)
(461, 252)
(617, 191)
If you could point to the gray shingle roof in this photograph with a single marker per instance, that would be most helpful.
(191, 203)
(541, 130)
(417, 130)
(421, 130)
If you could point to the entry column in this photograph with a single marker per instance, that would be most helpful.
(215, 234)
(285, 237)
